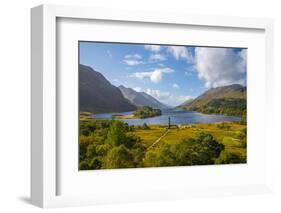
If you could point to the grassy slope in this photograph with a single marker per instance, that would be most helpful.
(85, 116)
(124, 116)
(228, 100)
(226, 137)
(151, 135)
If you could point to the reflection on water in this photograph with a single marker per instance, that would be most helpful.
(177, 117)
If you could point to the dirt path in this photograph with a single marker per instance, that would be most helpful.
(159, 139)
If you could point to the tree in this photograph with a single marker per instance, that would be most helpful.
(201, 150)
(229, 158)
(109, 144)
(145, 126)
(243, 137)
(244, 118)
(118, 157)
(116, 134)
(166, 156)
(183, 153)
(95, 163)
(138, 153)
(85, 141)
(151, 159)
(83, 165)
(206, 149)
(146, 112)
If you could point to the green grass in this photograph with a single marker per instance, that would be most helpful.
(124, 116)
(99, 137)
(151, 135)
(228, 137)
(85, 116)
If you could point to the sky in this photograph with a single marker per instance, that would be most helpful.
(171, 74)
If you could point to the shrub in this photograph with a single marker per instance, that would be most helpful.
(229, 158)
(118, 157)
(146, 112)
(109, 145)
(243, 138)
(201, 150)
(223, 126)
(84, 165)
(116, 134)
(145, 126)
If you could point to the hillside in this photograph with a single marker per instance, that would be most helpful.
(185, 103)
(98, 95)
(227, 100)
(140, 98)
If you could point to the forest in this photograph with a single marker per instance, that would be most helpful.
(111, 144)
(225, 106)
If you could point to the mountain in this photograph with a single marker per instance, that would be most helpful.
(98, 95)
(185, 103)
(228, 100)
(140, 98)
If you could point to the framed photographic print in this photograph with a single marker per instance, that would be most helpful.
(149, 106)
(161, 105)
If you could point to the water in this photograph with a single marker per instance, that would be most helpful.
(177, 117)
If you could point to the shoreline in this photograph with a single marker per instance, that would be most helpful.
(131, 119)
(131, 116)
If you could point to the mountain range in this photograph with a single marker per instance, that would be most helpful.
(185, 103)
(98, 95)
(228, 100)
(141, 98)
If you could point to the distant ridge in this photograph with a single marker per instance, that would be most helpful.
(141, 98)
(98, 95)
(186, 102)
(229, 100)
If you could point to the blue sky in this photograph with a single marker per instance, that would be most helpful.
(171, 74)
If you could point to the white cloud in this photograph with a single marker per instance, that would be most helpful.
(243, 62)
(176, 86)
(133, 60)
(181, 52)
(166, 97)
(176, 100)
(172, 100)
(158, 94)
(182, 98)
(155, 76)
(157, 57)
(138, 89)
(141, 75)
(220, 66)
(153, 48)
(133, 56)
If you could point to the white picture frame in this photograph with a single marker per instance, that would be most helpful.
(44, 154)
